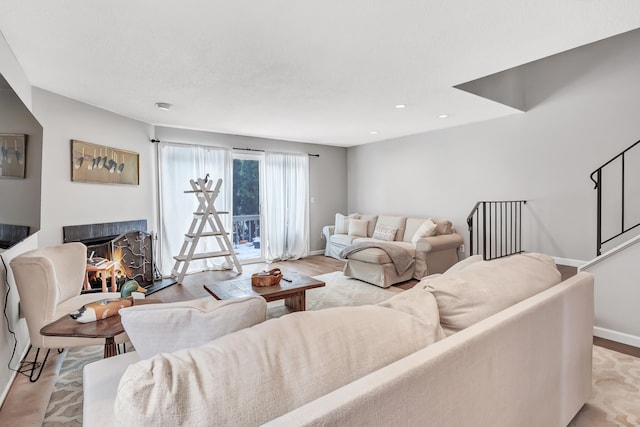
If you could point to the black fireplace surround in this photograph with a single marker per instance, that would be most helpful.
(125, 241)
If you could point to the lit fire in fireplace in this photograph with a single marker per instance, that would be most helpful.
(133, 251)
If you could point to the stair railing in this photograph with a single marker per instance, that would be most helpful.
(598, 186)
(495, 228)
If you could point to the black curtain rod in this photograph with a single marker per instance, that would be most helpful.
(262, 151)
(247, 149)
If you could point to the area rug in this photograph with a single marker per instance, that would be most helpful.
(65, 405)
(338, 291)
(615, 397)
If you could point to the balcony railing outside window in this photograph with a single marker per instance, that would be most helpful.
(245, 228)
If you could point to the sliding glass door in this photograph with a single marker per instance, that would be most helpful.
(247, 201)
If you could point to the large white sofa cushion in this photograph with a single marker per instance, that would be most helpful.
(342, 222)
(165, 328)
(422, 305)
(371, 223)
(426, 228)
(474, 260)
(398, 222)
(358, 227)
(484, 288)
(259, 373)
(412, 225)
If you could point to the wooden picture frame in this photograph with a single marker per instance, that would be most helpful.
(103, 165)
(13, 150)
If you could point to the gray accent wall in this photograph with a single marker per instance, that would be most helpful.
(327, 173)
(10, 360)
(20, 198)
(584, 108)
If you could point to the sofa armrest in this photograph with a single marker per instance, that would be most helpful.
(436, 254)
(327, 232)
(100, 386)
(439, 243)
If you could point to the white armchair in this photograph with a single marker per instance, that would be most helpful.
(49, 283)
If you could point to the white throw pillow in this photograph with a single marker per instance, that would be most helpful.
(382, 232)
(427, 229)
(165, 328)
(342, 223)
(358, 227)
(444, 226)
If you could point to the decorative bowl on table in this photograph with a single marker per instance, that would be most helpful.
(266, 278)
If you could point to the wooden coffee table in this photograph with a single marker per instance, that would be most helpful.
(106, 328)
(293, 292)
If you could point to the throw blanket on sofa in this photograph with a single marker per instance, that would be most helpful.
(400, 257)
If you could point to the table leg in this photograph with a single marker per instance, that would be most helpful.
(110, 347)
(297, 302)
(104, 280)
(114, 282)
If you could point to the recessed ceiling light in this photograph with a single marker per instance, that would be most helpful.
(443, 116)
(399, 106)
(373, 132)
(164, 105)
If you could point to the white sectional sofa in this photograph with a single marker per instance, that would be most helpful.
(498, 343)
(434, 251)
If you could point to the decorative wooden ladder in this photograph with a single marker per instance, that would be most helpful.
(205, 214)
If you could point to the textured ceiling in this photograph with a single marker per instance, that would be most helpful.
(327, 72)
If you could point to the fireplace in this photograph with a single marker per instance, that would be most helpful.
(128, 242)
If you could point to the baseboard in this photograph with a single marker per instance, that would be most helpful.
(12, 377)
(616, 336)
(320, 252)
(570, 262)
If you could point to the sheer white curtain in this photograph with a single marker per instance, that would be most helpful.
(177, 164)
(286, 210)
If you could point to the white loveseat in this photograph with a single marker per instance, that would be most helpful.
(433, 252)
(522, 357)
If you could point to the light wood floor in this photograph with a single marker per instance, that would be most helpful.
(26, 403)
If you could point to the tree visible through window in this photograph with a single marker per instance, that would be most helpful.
(246, 187)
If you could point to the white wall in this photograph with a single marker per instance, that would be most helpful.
(617, 292)
(327, 173)
(72, 203)
(584, 111)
